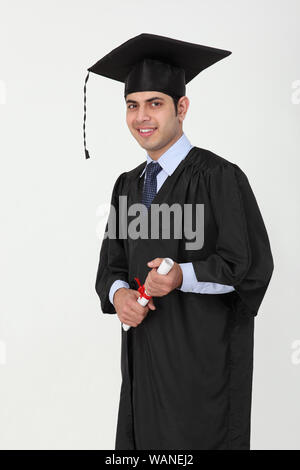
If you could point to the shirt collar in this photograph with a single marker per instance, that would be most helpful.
(171, 158)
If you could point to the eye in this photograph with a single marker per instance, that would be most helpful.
(153, 102)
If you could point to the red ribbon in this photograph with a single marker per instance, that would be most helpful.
(141, 289)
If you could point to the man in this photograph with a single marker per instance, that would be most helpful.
(187, 360)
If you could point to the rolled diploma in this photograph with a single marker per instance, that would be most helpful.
(165, 266)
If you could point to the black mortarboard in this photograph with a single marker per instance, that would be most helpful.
(149, 62)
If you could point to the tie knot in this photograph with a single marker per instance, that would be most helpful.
(153, 169)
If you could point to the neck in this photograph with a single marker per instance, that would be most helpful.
(155, 154)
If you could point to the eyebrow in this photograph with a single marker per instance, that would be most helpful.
(146, 101)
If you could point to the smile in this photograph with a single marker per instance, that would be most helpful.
(146, 132)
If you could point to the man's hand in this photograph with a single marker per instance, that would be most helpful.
(127, 307)
(159, 285)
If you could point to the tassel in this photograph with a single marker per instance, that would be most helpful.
(87, 155)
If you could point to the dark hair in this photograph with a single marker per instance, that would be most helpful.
(175, 99)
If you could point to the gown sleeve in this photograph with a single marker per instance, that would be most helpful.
(113, 264)
(242, 255)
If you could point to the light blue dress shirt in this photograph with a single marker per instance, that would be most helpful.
(169, 161)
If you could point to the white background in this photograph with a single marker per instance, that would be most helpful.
(59, 355)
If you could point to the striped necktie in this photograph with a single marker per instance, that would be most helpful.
(150, 186)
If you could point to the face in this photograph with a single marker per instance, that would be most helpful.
(155, 111)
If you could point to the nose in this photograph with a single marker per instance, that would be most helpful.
(142, 114)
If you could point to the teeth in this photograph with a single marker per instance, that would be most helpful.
(146, 130)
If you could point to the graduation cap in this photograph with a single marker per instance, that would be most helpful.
(149, 62)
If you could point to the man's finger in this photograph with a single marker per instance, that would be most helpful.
(154, 263)
(151, 304)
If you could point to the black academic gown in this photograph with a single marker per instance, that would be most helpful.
(187, 368)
